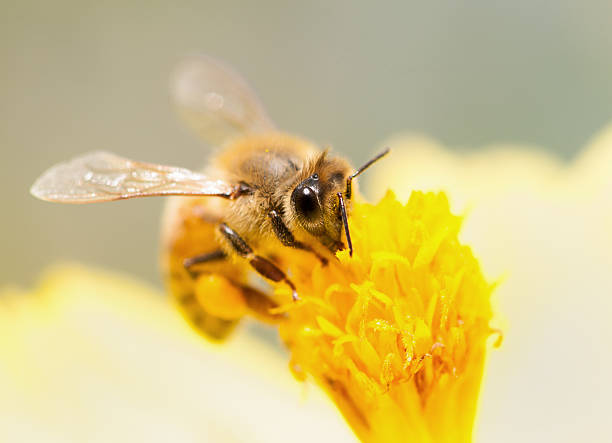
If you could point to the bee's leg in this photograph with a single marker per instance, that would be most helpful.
(262, 265)
(260, 304)
(211, 326)
(219, 254)
(181, 285)
(230, 300)
(286, 236)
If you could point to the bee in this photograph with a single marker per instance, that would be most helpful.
(263, 191)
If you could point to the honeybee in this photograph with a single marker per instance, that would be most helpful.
(273, 191)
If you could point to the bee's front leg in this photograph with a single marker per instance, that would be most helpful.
(262, 265)
(286, 236)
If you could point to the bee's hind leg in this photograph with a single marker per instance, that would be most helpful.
(262, 265)
(231, 300)
(260, 304)
(257, 302)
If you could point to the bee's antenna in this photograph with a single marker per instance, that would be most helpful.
(369, 163)
(345, 223)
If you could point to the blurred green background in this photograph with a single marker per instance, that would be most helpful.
(78, 76)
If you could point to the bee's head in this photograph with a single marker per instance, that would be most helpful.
(319, 200)
(314, 200)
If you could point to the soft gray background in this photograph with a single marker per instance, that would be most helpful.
(77, 76)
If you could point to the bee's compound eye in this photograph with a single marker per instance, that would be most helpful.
(306, 202)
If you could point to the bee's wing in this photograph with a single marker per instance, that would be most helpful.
(102, 176)
(215, 101)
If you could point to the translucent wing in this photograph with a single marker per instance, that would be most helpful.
(102, 176)
(215, 101)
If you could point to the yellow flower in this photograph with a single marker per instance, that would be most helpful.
(397, 333)
(545, 226)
